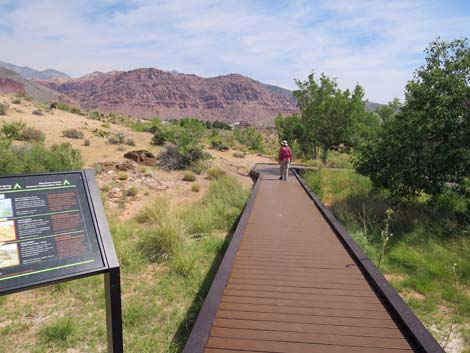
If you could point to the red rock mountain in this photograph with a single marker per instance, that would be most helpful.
(152, 92)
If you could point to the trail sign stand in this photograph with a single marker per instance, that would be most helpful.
(53, 228)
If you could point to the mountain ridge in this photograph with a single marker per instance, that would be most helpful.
(29, 73)
(149, 92)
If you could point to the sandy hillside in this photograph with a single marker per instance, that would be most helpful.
(149, 180)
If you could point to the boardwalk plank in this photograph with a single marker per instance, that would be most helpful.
(332, 312)
(314, 328)
(303, 303)
(293, 347)
(308, 337)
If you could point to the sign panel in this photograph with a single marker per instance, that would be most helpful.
(47, 230)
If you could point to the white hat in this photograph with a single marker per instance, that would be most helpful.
(284, 143)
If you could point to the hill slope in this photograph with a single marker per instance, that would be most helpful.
(11, 82)
(151, 92)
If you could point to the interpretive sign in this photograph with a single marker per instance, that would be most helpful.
(53, 228)
(46, 230)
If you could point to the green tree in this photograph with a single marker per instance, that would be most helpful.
(291, 129)
(426, 144)
(387, 112)
(365, 127)
(328, 113)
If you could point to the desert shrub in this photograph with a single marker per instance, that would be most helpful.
(159, 137)
(38, 112)
(137, 125)
(94, 115)
(215, 173)
(219, 146)
(100, 132)
(185, 132)
(121, 149)
(62, 157)
(170, 158)
(132, 191)
(239, 154)
(16, 101)
(189, 176)
(452, 203)
(73, 134)
(106, 125)
(145, 125)
(86, 142)
(177, 158)
(17, 130)
(3, 108)
(198, 167)
(196, 187)
(251, 138)
(130, 142)
(33, 135)
(13, 130)
(218, 125)
(116, 139)
(63, 106)
(76, 110)
(32, 158)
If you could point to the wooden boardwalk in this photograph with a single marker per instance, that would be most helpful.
(289, 284)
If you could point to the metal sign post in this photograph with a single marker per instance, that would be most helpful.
(112, 288)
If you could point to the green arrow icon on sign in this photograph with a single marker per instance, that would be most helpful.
(17, 186)
(66, 182)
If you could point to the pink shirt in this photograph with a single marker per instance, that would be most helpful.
(285, 153)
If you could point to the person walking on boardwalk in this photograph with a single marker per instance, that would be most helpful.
(285, 157)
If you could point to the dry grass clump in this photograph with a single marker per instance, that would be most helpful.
(215, 173)
(123, 176)
(33, 135)
(239, 154)
(189, 176)
(132, 191)
(3, 108)
(73, 134)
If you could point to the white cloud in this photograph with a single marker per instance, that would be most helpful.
(375, 43)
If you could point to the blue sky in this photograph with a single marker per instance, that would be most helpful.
(377, 44)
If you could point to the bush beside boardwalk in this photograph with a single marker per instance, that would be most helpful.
(428, 257)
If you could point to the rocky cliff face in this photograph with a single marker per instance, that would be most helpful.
(152, 92)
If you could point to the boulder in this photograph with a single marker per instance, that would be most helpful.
(141, 156)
